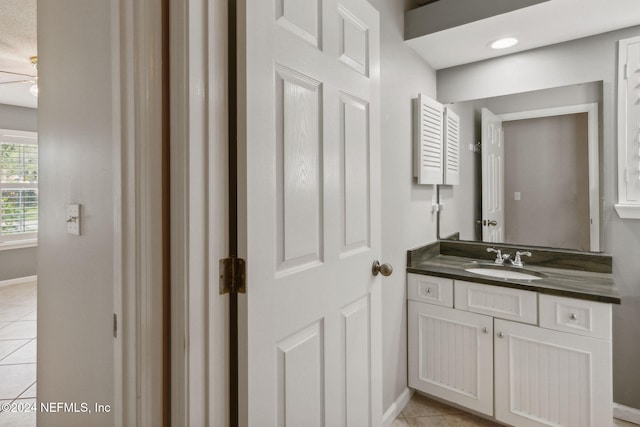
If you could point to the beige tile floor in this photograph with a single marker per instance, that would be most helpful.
(424, 412)
(18, 353)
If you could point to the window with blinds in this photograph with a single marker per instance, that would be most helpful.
(18, 185)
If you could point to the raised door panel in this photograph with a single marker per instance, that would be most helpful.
(299, 169)
(451, 355)
(355, 175)
(301, 18)
(548, 378)
(301, 378)
(356, 359)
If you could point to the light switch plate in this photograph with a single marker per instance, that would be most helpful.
(73, 219)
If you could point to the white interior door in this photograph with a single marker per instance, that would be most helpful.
(309, 207)
(492, 177)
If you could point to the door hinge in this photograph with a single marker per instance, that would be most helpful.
(232, 276)
(115, 325)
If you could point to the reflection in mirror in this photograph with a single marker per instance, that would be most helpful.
(535, 180)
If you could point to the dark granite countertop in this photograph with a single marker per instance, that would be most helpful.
(588, 285)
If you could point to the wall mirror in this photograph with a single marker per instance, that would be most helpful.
(530, 170)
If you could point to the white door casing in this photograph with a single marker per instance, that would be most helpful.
(492, 177)
(309, 213)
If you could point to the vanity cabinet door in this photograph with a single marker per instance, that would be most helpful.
(551, 378)
(451, 355)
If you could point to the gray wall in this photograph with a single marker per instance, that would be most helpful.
(546, 160)
(76, 273)
(406, 207)
(16, 263)
(589, 59)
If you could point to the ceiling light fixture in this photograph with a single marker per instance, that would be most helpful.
(504, 43)
(34, 89)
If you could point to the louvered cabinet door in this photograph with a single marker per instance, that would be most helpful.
(428, 140)
(550, 378)
(451, 147)
(451, 355)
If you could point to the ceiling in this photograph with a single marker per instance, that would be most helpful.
(539, 25)
(17, 44)
(543, 24)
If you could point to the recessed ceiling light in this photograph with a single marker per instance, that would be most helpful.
(504, 43)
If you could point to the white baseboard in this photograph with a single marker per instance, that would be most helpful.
(17, 281)
(626, 413)
(396, 407)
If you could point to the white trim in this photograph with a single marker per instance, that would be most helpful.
(625, 208)
(594, 160)
(626, 413)
(628, 211)
(18, 244)
(137, 137)
(18, 280)
(396, 407)
(199, 212)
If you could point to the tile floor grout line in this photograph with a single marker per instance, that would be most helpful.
(28, 341)
(25, 390)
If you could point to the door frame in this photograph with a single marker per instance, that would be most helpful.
(199, 211)
(139, 278)
(594, 160)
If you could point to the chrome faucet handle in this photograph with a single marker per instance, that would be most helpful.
(499, 257)
(517, 262)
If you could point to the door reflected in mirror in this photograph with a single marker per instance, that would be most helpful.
(536, 179)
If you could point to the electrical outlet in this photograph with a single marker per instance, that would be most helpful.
(73, 219)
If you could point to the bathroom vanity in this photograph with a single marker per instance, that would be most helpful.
(534, 352)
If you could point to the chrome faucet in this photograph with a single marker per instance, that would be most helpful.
(500, 258)
(517, 262)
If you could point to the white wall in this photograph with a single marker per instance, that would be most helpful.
(406, 207)
(589, 59)
(15, 263)
(75, 286)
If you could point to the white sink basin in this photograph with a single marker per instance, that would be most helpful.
(503, 272)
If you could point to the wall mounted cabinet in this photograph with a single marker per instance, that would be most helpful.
(428, 135)
(436, 142)
(546, 359)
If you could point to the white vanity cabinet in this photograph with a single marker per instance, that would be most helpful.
(549, 364)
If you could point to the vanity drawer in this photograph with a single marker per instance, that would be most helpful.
(434, 290)
(581, 317)
(496, 301)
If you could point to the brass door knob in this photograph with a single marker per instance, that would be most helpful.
(384, 269)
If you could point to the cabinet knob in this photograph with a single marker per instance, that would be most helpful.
(500, 335)
(573, 316)
(427, 291)
(485, 330)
